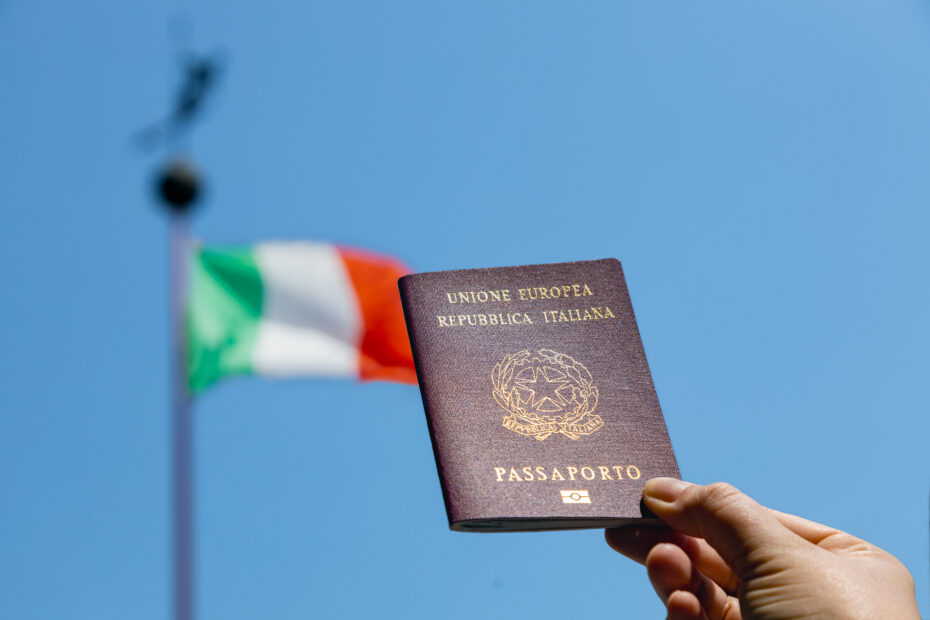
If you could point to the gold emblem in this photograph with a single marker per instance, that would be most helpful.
(545, 392)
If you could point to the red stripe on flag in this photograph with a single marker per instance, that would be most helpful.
(384, 348)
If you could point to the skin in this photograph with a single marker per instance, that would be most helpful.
(725, 557)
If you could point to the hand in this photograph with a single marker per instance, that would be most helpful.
(728, 558)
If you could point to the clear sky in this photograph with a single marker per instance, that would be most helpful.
(761, 170)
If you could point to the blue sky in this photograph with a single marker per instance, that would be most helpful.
(759, 168)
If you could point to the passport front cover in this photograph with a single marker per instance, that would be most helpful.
(538, 397)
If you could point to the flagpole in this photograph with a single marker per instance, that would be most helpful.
(178, 188)
(182, 432)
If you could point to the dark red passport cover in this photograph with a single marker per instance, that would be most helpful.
(540, 405)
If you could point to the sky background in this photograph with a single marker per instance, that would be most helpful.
(761, 170)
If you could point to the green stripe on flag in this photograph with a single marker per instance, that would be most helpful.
(224, 306)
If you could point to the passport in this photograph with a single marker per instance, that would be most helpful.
(538, 397)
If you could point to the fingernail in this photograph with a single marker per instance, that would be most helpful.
(665, 489)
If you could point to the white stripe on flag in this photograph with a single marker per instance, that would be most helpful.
(310, 320)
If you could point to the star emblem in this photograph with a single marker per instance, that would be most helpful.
(541, 388)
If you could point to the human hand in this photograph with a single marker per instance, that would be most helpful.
(728, 558)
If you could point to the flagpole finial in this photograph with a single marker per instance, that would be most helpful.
(179, 186)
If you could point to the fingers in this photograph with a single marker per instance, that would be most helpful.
(685, 591)
(637, 542)
(731, 522)
(683, 605)
(669, 569)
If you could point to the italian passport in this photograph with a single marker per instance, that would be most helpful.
(538, 397)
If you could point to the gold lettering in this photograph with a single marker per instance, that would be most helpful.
(587, 315)
(562, 317)
(597, 313)
(533, 293)
(540, 473)
(476, 297)
(608, 313)
(483, 320)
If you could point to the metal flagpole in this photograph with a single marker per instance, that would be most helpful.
(182, 435)
(178, 187)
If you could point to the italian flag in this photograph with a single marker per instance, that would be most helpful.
(289, 309)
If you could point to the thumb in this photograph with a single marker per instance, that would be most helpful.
(740, 530)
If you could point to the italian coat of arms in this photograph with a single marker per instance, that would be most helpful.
(546, 392)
